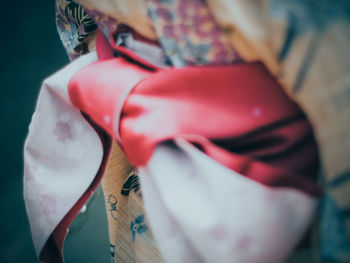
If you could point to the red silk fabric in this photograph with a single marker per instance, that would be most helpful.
(238, 115)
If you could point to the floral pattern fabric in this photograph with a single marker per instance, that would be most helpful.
(129, 233)
(189, 35)
(195, 33)
(74, 27)
(55, 180)
(186, 31)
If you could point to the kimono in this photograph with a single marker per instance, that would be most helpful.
(183, 110)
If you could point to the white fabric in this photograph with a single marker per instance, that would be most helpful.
(62, 154)
(201, 211)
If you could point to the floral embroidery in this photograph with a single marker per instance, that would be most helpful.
(138, 226)
(112, 201)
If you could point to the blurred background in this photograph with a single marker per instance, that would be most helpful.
(31, 51)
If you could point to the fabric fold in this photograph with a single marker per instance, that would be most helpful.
(205, 103)
(203, 113)
(62, 155)
(200, 211)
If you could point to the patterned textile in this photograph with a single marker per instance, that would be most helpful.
(48, 200)
(303, 43)
(87, 83)
(120, 230)
(183, 219)
(185, 29)
(74, 26)
(132, 13)
(189, 35)
(129, 232)
(214, 49)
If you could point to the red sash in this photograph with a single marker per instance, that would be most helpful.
(238, 115)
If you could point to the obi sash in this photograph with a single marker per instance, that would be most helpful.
(234, 119)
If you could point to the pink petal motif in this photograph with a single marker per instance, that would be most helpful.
(49, 204)
(62, 131)
(244, 242)
(164, 13)
(168, 31)
(218, 232)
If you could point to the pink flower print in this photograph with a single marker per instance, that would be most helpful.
(168, 31)
(189, 8)
(49, 204)
(218, 232)
(62, 131)
(244, 242)
(165, 14)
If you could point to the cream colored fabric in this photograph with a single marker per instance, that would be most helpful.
(127, 209)
(247, 25)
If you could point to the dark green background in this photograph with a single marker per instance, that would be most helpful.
(31, 50)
